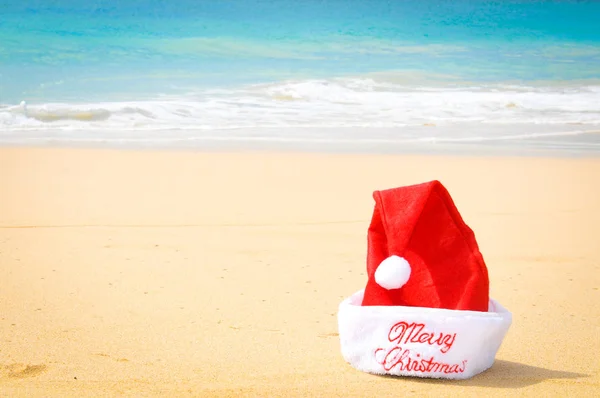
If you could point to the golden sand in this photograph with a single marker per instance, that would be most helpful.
(143, 273)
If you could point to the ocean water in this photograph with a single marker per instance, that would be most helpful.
(326, 72)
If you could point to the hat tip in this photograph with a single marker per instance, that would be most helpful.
(393, 272)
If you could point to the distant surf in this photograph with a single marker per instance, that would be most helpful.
(343, 102)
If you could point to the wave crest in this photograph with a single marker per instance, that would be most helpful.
(363, 102)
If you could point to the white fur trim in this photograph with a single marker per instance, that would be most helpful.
(417, 341)
(392, 273)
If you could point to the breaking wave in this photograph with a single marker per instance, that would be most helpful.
(392, 106)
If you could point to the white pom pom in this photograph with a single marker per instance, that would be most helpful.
(392, 273)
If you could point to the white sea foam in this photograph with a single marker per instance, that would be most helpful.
(396, 111)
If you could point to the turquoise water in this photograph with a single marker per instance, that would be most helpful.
(298, 70)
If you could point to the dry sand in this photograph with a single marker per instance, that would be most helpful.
(209, 274)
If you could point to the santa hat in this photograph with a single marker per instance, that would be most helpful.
(425, 310)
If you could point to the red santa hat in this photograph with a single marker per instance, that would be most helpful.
(425, 310)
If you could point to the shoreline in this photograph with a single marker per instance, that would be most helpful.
(523, 148)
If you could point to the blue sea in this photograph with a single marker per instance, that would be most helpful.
(301, 72)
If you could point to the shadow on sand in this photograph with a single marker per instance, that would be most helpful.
(506, 374)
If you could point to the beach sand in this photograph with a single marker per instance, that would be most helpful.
(146, 273)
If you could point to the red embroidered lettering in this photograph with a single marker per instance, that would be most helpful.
(404, 332)
(402, 359)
